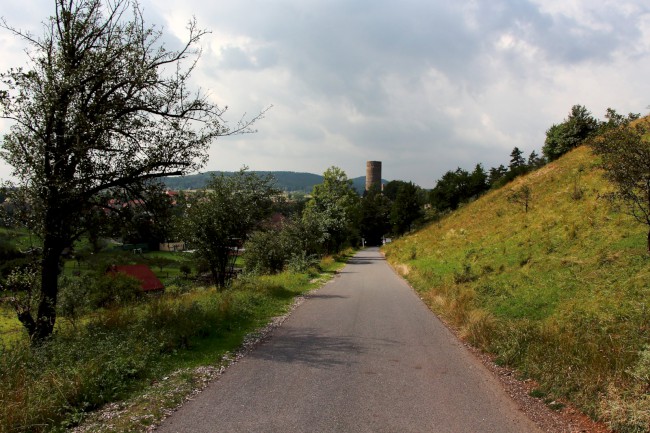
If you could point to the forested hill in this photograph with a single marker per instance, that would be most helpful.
(286, 180)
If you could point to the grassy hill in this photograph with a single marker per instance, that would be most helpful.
(561, 292)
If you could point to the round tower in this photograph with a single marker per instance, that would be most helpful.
(373, 174)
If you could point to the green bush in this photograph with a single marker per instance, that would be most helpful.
(291, 245)
(301, 262)
(267, 252)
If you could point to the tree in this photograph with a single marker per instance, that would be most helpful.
(522, 196)
(516, 159)
(625, 153)
(406, 208)
(496, 176)
(375, 214)
(576, 128)
(218, 221)
(478, 181)
(332, 208)
(535, 161)
(103, 105)
(615, 120)
(451, 190)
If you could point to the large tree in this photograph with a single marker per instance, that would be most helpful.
(102, 104)
(218, 221)
(625, 153)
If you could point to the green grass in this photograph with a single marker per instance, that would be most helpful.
(560, 292)
(20, 238)
(145, 357)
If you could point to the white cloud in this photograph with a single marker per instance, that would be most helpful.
(426, 86)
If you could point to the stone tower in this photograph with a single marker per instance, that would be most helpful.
(373, 174)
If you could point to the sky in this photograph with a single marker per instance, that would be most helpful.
(425, 86)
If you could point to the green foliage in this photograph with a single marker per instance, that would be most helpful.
(375, 214)
(522, 196)
(86, 293)
(267, 252)
(102, 105)
(406, 209)
(119, 352)
(332, 209)
(219, 220)
(460, 186)
(576, 128)
(271, 250)
(185, 269)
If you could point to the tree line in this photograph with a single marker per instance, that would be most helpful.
(579, 127)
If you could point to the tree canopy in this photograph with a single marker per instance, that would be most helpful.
(571, 133)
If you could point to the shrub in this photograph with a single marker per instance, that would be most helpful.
(267, 252)
(300, 263)
(185, 269)
(115, 289)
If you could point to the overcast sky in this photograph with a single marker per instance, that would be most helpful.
(424, 86)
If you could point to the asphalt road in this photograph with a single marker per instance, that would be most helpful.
(362, 354)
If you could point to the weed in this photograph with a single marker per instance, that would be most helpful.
(466, 275)
(537, 393)
(479, 328)
(413, 254)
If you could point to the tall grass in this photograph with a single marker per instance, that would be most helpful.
(559, 292)
(119, 351)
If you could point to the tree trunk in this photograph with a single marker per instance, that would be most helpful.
(46, 315)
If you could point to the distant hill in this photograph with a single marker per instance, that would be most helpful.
(288, 181)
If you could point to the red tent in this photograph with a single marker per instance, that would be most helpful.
(148, 280)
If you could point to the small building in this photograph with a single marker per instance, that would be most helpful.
(172, 246)
(148, 280)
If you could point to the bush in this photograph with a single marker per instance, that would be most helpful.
(266, 252)
(186, 270)
(300, 263)
(271, 251)
(79, 295)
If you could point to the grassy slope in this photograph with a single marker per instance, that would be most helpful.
(560, 292)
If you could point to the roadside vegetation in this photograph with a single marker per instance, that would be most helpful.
(552, 277)
(129, 351)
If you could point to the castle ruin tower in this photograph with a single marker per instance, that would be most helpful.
(373, 174)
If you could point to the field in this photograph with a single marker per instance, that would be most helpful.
(560, 292)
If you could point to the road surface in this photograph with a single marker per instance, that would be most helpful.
(362, 354)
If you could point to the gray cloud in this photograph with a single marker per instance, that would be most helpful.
(428, 85)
